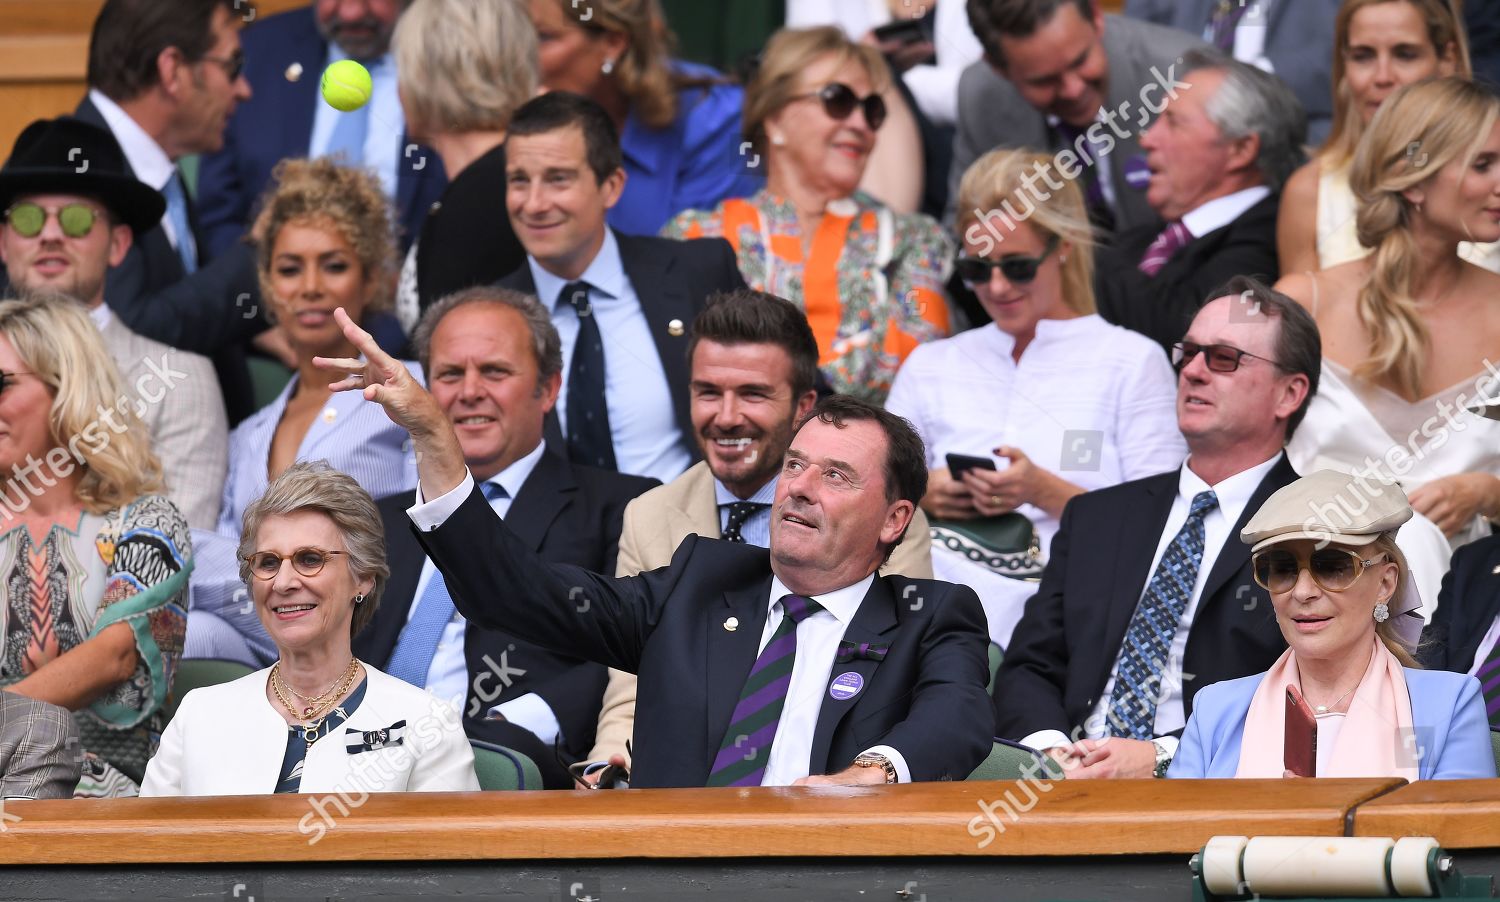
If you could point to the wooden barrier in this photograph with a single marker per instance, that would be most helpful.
(1461, 814)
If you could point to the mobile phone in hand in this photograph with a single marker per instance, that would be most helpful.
(958, 464)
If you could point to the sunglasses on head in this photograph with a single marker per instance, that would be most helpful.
(1333, 569)
(28, 219)
(1018, 270)
(306, 561)
(1219, 358)
(839, 101)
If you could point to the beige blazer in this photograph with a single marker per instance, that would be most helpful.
(655, 524)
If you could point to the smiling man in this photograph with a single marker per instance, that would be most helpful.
(1148, 595)
(797, 665)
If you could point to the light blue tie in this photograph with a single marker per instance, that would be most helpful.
(177, 212)
(348, 139)
(418, 644)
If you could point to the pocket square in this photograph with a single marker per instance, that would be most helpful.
(370, 740)
(862, 651)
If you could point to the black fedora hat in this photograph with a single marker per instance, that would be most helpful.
(70, 156)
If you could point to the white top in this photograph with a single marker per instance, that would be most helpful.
(1221, 211)
(1233, 495)
(146, 158)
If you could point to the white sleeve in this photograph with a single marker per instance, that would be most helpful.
(533, 713)
(903, 773)
(429, 515)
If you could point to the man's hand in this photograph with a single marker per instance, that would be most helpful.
(1111, 758)
(849, 776)
(615, 760)
(387, 382)
(947, 498)
(1453, 501)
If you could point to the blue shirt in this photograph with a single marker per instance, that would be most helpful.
(383, 150)
(693, 163)
(642, 419)
(756, 530)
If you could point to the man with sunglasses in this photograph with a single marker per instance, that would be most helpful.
(1218, 157)
(1148, 595)
(62, 231)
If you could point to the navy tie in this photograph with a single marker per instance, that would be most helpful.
(739, 512)
(589, 439)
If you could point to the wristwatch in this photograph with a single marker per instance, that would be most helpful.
(869, 759)
(1163, 759)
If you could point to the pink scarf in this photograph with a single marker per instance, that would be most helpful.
(1379, 716)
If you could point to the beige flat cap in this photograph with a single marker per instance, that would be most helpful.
(1328, 506)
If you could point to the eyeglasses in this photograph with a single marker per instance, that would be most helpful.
(306, 561)
(839, 101)
(1018, 270)
(233, 65)
(1333, 569)
(28, 219)
(1220, 358)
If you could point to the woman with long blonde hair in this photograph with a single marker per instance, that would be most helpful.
(96, 559)
(1409, 331)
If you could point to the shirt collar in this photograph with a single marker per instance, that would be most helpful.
(1221, 211)
(606, 274)
(1233, 493)
(514, 476)
(766, 494)
(146, 158)
(101, 316)
(841, 603)
(1048, 331)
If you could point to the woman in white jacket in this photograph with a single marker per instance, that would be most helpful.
(312, 553)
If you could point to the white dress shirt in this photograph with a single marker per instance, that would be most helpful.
(383, 150)
(146, 158)
(448, 674)
(817, 646)
(1233, 495)
(642, 419)
(1221, 211)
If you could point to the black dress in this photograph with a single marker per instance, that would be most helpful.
(466, 239)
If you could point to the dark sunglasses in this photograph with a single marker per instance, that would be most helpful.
(839, 101)
(233, 65)
(28, 219)
(1220, 358)
(1018, 270)
(1334, 569)
(306, 561)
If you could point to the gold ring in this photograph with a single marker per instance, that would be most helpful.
(995, 500)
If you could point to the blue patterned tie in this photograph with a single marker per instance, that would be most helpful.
(746, 746)
(590, 441)
(418, 644)
(177, 214)
(1138, 678)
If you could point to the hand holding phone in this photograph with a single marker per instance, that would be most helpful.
(1300, 754)
(959, 464)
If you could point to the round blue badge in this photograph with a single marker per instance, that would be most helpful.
(1137, 173)
(846, 685)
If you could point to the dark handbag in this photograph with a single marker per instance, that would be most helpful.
(1007, 544)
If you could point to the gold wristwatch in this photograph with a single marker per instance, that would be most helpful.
(869, 759)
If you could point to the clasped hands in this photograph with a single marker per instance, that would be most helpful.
(988, 493)
(1111, 758)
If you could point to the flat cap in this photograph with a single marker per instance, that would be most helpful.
(1329, 506)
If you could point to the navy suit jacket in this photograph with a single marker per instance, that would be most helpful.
(1467, 605)
(1064, 648)
(672, 279)
(277, 122)
(926, 698)
(565, 513)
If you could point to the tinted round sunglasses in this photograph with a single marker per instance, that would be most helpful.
(839, 101)
(28, 219)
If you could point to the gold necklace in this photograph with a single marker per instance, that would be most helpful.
(315, 708)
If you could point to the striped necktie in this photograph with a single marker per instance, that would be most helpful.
(1172, 239)
(1225, 20)
(747, 743)
(1148, 640)
(1489, 683)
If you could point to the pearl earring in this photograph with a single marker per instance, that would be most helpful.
(1382, 612)
(608, 68)
(778, 140)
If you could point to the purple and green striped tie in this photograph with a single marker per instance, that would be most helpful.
(1489, 682)
(747, 743)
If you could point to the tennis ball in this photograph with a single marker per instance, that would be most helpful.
(346, 86)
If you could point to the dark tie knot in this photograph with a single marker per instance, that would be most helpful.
(799, 607)
(740, 511)
(1203, 502)
(577, 294)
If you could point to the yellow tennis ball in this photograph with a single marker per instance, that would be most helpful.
(346, 86)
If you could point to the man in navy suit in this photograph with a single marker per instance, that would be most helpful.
(285, 56)
(1464, 635)
(622, 304)
(793, 664)
(494, 363)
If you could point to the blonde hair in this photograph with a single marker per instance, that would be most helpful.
(1419, 130)
(60, 345)
(1444, 26)
(314, 485)
(464, 65)
(994, 183)
(1386, 629)
(788, 54)
(324, 194)
(644, 71)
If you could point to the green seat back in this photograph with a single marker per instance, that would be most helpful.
(1008, 762)
(996, 656)
(195, 672)
(1495, 748)
(498, 767)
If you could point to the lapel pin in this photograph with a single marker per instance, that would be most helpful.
(846, 685)
(674, 328)
(1497, 569)
(330, 414)
(294, 72)
(732, 624)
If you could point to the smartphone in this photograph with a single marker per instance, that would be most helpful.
(958, 464)
(1300, 754)
(902, 31)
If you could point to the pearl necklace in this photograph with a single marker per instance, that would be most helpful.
(1323, 709)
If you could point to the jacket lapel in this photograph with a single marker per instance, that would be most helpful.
(731, 654)
(1236, 554)
(545, 493)
(1137, 549)
(873, 622)
(377, 641)
(664, 300)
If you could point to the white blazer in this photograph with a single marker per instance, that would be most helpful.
(228, 740)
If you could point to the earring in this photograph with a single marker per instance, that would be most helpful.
(360, 599)
(778, 140)
(1382, 612)
(608, 68)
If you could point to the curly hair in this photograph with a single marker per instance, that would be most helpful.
(323, 193)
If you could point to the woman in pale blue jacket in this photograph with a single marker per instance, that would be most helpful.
(1325, 549)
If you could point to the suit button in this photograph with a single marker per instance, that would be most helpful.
(675, 328)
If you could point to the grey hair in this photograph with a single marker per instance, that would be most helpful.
(1253, 102)
(546, 346)
(314, 485)
(464, 65)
